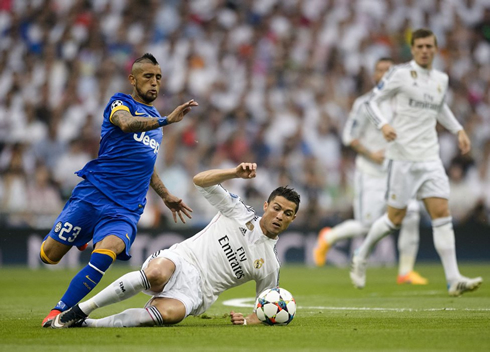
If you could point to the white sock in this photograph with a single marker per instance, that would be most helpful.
(123, 288)
(381, 228)
(133, 317)
(445, 246)
(346, 229)
(408, 242)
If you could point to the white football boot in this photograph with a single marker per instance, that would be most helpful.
(464, 284)
(358, 272)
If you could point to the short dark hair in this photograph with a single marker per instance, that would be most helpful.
(385, 59)
(145, 58)
(422, 33)
(288, 193)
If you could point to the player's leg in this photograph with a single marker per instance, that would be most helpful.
(73, 227)
(52, 251)
(444, 241)
(327, 236)
(85, 280)
(408, 246)
(382, 227)
(399, 191)
(156, 272)
(162, 311)
(435, 193)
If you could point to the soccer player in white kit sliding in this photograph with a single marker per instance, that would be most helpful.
(370, 188)
(415, 167)
(235, 247)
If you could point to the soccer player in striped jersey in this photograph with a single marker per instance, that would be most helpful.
(370, 188)
(415, 168)
(107, 204)
(235, 247)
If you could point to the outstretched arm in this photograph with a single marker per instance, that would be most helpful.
(129, 123)
(239, 319)
(175, 204)
(216, 176)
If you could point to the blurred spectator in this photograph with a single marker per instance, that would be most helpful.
(465, 194)
(274, 80)
(66, 166)
(43, 198)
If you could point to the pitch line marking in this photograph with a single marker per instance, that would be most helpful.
(249, 303)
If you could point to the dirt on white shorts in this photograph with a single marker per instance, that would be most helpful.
(184, 285)
(422, 179)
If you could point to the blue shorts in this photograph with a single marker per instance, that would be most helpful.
(90, 215)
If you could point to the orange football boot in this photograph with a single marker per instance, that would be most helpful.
(412, 278)
(322, 247)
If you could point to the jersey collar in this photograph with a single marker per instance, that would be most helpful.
(420, 68)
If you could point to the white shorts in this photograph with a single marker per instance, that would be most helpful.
(369, 197)
(184, 285)
(423, 179)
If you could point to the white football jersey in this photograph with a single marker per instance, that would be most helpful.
(231, 249)
(418, 103)
(359, 127)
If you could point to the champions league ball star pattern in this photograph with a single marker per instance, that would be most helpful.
(275, 306)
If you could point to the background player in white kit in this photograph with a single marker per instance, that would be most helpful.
(415, 167)
(370, 188)
(235, 247)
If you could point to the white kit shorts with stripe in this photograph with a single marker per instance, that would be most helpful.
(369, 197)
(423, 179)
(184, 285)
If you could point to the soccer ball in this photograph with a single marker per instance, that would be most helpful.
(275, 306)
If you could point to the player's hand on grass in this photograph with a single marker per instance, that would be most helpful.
(464, 142)
(239, 319)
(246, 170)
(179, 112)
(388, 132)
(177, 207)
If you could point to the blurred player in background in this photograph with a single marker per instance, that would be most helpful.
(370, 188)
(106, 206)
(415, 168)
(235, 247)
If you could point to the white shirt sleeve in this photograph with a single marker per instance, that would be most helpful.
(386, 88)
(448, 120)
(228, 204)
(354, 124)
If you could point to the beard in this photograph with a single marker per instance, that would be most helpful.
(146, 96)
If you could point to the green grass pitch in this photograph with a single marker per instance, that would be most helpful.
(332, 315)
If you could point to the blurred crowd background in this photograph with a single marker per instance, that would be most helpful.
(275, 81)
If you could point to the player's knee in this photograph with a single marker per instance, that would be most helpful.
(157, 277)
(158, 272)
(48, 256)
(440, 213)
(171, 314)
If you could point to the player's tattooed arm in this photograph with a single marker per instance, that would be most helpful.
(175, 204)
(129, 123)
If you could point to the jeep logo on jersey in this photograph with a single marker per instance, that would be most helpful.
(146, 140)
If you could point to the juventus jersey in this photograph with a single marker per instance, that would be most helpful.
(123, 168)
(231, 249)
(418, 104)
(359, 127)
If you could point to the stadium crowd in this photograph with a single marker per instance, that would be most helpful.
(275, 81)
